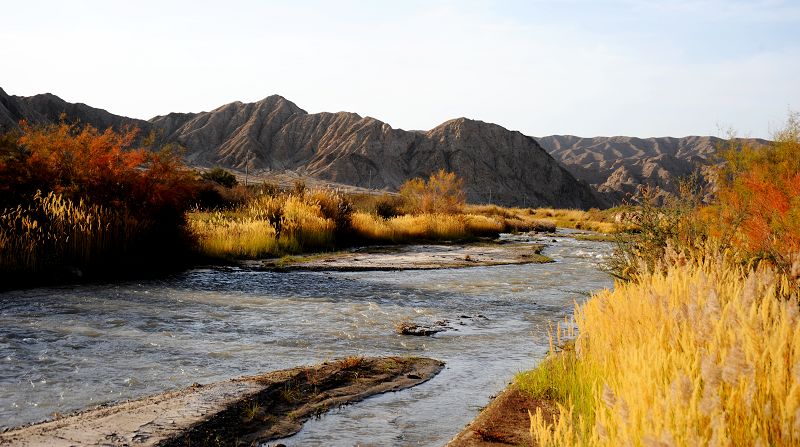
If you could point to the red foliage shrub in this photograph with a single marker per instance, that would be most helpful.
(758, 198)
(79, 197)
(101, 168)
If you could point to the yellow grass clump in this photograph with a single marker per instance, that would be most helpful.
(53, 229)
(268, 225)
(593, 220)
(409, 227)
(703, 353)
(222, 237)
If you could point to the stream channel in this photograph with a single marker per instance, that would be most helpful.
(67, 348)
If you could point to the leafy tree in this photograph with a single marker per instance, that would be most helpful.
(136, 196)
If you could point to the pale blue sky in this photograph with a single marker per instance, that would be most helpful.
(582, 67)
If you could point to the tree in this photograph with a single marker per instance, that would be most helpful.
(100, 168)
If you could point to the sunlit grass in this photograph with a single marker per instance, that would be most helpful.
(319, 220)
(604, 221)
(409, 227)
(222, 237)
(706, 353)
(266, 226)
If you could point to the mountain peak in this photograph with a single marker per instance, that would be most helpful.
(275, 134)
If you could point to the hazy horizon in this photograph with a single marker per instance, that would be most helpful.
(629, 67)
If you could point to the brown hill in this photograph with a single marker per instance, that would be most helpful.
(275, 135)
(48, 108)
(616, 166)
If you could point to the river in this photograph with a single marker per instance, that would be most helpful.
(67, 348)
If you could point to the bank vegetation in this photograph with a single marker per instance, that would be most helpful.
(76, 201)
(699, 342)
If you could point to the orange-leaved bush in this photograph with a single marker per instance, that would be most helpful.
(75, 196)
(758, 198)
(103, 168)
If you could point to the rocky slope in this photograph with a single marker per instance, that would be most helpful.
(616, 166)
(48, 108)
(274, 134)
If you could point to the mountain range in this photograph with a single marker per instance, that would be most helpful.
(617, 166)
(498, 165)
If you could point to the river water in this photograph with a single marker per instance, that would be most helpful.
(68, 348)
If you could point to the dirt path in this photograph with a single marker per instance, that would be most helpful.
(411, 257)
(504, 421)
(242, 411)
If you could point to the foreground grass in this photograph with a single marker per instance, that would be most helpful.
(705, 353)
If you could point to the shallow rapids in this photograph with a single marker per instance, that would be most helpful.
(68, 348)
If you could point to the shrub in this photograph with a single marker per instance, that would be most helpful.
(299, 188)
(334, 206)
(63, 181)
(388, 207)
(221, 177)
(210, 196)
(758, 206)
(673, 225)
(442, 193)
(100, 168)
(755, 212)
(272, 225)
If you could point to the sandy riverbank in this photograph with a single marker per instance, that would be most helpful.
(247, 410)
(410, 257)
(504, 421)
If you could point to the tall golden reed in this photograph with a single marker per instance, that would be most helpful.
(268, 225)
(705, 353)
(54, 230)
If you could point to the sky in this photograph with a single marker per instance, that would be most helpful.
(580, 67)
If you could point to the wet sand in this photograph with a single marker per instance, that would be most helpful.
(246, 411)
(410, 257)
(505, 421)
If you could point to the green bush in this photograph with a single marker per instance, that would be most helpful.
(221, 177)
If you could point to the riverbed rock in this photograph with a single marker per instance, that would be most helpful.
(421, 330)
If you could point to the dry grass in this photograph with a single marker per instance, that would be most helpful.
(705, 353)
(513, 219)
(223, 237)
(313, 220)
(604, 221)
(351, 362)
(268, 225)
(409, 227)
(53, 231)
(541, 219)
